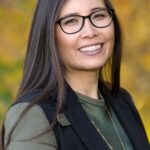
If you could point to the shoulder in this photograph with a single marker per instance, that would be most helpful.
(121, 96)
(45, 102)
(34, 115)
(125, 97)
(33, 123)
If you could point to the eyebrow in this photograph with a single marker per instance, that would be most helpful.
(74, 14)
(98, 8)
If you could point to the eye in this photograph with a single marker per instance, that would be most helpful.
(70, 21)
(100, 15)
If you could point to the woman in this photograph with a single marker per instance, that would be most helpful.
(63, 102)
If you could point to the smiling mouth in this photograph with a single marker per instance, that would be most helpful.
(91, 48)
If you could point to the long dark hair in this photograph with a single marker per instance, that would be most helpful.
(43, 69)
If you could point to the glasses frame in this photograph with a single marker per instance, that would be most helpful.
(110, 11)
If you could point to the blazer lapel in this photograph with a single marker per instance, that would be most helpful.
(81, 124)
(127, 121)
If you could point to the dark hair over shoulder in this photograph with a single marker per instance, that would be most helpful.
(114, 64)
(43, 69)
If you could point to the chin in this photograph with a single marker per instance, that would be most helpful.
(96, 65)
(91, 67)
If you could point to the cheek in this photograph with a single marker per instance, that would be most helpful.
(110, 40)
(66, 42)
(66, 45)
(61, 42)
(111, 34)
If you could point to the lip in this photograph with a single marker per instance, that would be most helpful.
(92, 53)
(90, 45)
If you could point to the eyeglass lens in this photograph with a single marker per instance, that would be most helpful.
(75, 23)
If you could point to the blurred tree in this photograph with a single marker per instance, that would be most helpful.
(135, 20)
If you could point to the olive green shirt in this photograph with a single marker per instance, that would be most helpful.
(98, 113)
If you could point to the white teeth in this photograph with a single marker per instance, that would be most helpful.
(91, 48)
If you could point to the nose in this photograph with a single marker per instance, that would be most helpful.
(88, 31)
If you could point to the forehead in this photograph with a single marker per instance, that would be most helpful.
(80, 6)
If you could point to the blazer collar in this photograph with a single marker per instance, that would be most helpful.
(87, 132)
(81, 123)
(127, 119)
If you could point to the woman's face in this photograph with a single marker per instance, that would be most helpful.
(90, 48)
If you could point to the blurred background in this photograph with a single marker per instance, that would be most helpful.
(15, 20)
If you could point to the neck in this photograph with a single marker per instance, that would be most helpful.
(84, 82)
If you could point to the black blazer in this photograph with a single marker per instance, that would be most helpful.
(80, 134)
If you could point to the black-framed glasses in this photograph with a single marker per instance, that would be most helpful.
(74, 23)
